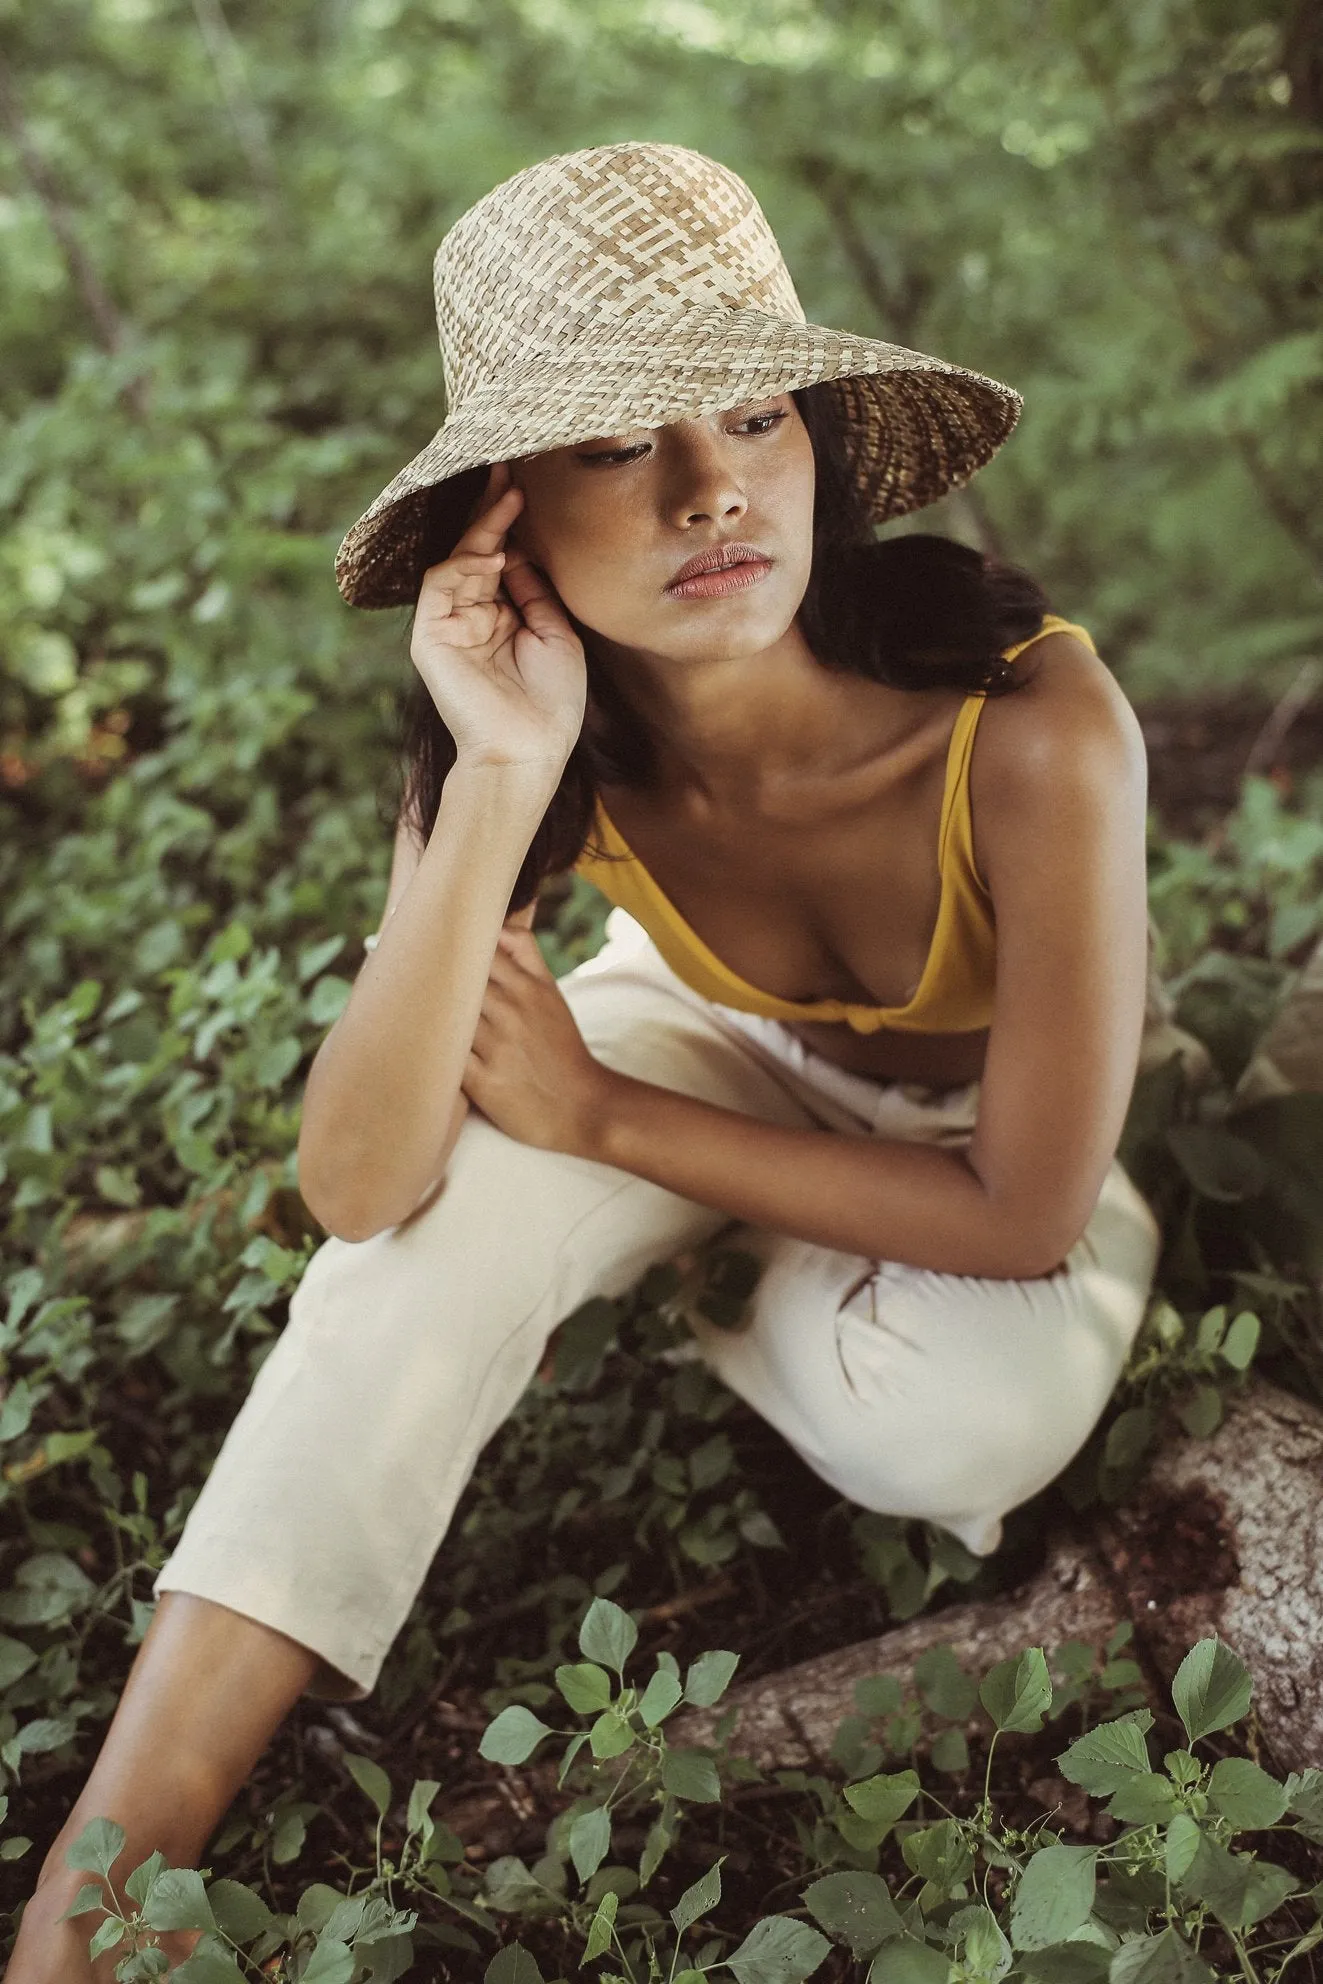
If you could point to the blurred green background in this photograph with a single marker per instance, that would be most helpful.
(216, 228)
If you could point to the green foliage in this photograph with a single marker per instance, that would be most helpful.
(1152, 1904)
(196, 742)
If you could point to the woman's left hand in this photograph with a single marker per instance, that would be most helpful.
(528, 1070)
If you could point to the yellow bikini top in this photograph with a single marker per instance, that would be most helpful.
(954, 994)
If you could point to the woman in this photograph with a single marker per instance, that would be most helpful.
(898, 1055)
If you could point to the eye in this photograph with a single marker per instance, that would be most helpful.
(762, 423)
(773, 419)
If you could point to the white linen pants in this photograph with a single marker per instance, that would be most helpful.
(914, 1393)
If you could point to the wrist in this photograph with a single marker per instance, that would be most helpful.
(604, 1135)
(538, 777)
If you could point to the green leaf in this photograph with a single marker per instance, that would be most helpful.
(1246, 1795)
(208, 1967)
(513, 1736)
(778, 1950)
(1182, 1843)
(420, 1800)
(660, 1839)
(332, 1962)
(879, 1801)
(89, 1896)
(326, 1002)
(1202, 1412)
(909, 1963)
(608, 1635)
(950, 1751)
(1211, 1330)
(1212, 1688)
(1077, 1962)
(661, 1695)
(582, 1341)
(1146, 1801)
(139, 1883)
(585, 1686)
(370, 1778)
(1129, 1437)
(111, 1932)
(691, 1774)
(1017, 1693)
(15, 1659)
(709, 1677)
(942, 1853)
(1054, 1896)
(1242, 1340)
(1239, 1889)
(944, 1685)
(599, 1929)
(986, 1951)
(96, 1848)
(590, 1840)
(883, 1800)
(178, 1900)
(288, 1837)
(878, 1694)
(1304, 1797)
(855, 1908)
(1164, 1959)
(1220, 1166)
(610, 1735)
(240, 1914)
(698, 1900)
(1110, 1756)
(512, 1965)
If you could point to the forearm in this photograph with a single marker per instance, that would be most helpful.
(884, 1199)
(384, 1090)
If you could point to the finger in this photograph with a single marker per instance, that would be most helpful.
(531, 591)
(486, 531)
(468, 580)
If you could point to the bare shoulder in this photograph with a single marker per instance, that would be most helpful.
(1067, 733)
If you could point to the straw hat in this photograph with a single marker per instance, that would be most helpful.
(631, 285)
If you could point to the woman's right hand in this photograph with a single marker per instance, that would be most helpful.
(495, 647)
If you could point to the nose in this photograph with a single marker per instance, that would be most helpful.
(703, 484)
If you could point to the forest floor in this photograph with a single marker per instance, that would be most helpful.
(775, 1608)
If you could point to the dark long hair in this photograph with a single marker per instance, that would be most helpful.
(916, 611)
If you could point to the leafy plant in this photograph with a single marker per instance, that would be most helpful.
(966, 1899)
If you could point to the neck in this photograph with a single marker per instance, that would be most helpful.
(734, 730)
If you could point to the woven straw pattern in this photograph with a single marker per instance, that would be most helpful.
(631, 285)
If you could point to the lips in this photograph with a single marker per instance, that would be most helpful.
(719, 558)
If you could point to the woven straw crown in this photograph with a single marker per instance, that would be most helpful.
(631, 285)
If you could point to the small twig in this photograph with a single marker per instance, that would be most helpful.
(689, 1601)
(1296, 698)
(231, 75)
(110, 326)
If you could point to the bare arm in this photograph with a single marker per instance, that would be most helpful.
(501, 661)
(404, 862)
(382, 1106)
(1059, 799)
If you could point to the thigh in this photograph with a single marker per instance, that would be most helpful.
(951, 1397)
(404, 1352)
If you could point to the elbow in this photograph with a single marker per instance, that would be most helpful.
(1036, 1246)
(344, 1213)
(351, 1215)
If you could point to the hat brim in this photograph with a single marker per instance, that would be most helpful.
(917, 425)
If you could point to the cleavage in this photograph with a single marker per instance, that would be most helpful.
(788, 948)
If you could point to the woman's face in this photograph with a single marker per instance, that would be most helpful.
(610, 521)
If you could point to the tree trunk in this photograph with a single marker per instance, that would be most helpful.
(1225, 1536)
